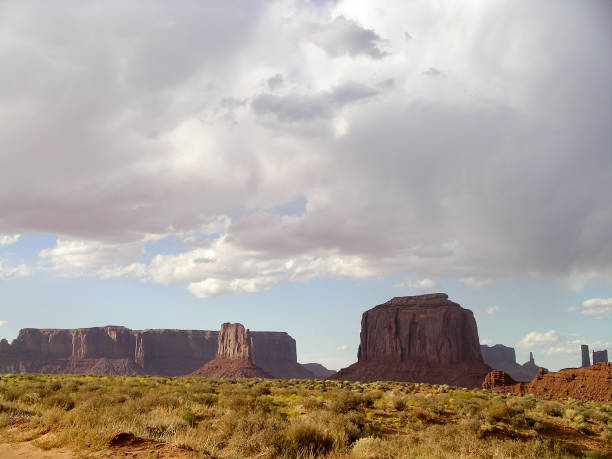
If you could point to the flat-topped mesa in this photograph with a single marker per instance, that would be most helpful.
(428, 328)
(423, 338)
(120, 350)
(418, 301)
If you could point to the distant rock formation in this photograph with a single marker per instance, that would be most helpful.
(593, 383)
(586, 362)
(319, 370)
(119, 350)
(600, 356)
(234, 356)
(424, 338)
(275, 352)
(500, 357)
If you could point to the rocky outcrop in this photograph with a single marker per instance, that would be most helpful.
(500, 357)
(424, 338)
(586, 361)
(319, 371)
(234, 356)
(119, 350)
(592, 383)
(275, 352)
(600, 356)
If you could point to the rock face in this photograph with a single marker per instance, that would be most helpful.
(500, 357)
(586, 361)
(600, 356)
(275, 352)
(424, 338)
(319, 370)
(119, 350)
(592, 383)
(234, 356)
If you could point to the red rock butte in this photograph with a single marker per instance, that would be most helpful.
(424, 338)
(234, 356)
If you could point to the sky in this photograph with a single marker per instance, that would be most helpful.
(291, 164)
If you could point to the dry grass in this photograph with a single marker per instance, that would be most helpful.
(275, 418)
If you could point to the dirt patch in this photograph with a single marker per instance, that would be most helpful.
(26, 450)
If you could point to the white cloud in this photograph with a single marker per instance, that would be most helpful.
(85, 257)
(538, 339)
(344, 36)
(344, 347)
(493, 309)
(6, 239)
(474, 282)
(553, 343)
(597, 307)
(231, 269)
(488, 342)
(425, 284)
(3, 323)
(8, 273)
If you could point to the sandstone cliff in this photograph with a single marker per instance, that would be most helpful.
(119, 350)
(424, 338)
(234, 356)
(592, 383)
(500, 357)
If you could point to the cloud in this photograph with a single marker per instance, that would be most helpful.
(488, 342)
(297, 107)
(537, 339)
(425, 284)
(433, 72)
(474, 282)
(344, 36)
(493, 309)
(83, 257)
(7, 239)
(344, 347)
(597, 307)
(553, 343)
(8, 273)
(421, 179)
(275, 82)
(3, 323)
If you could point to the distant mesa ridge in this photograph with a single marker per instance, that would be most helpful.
(319, 370)
(423, 338)
(500, 357)
(120, 350)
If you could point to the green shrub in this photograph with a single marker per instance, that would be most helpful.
(304, 439)
(189, 417)
(63, 401)
(498, 412)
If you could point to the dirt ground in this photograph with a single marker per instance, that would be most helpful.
(28, 450)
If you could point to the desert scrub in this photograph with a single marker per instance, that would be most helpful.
(306, 440)
(276, 418)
